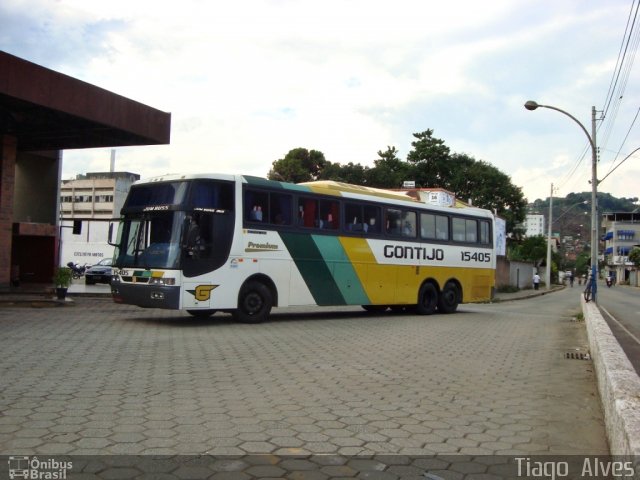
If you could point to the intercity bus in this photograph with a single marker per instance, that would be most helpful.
(242, 244)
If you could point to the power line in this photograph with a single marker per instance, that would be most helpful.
(622, 77)
(623, 142)
(619, 62)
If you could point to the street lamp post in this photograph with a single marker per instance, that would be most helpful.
(531, 105)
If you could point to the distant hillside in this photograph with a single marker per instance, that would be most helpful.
(572, 216)
(606, 203)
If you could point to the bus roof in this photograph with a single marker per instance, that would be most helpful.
(326, 187)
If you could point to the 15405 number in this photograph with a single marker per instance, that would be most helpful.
(475, 257)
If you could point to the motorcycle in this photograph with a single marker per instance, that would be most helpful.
(77, 270)
(609, 282)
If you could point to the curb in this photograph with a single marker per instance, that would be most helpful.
(512, 297)
(618, 385)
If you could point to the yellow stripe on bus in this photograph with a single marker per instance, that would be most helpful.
(399, 284)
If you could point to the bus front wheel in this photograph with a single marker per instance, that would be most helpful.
(427, 299)
(254, 303)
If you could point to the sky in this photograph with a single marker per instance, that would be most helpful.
(247, 81)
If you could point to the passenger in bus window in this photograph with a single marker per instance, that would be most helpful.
(256, 213)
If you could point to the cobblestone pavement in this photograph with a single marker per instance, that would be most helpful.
(99, 378)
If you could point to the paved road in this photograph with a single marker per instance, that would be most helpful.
(620, 306)
(491, 379)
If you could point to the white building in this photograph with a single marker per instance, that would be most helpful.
(622, 233)
(534, 225)
(87, 205)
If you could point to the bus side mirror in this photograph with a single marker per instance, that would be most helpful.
(110, 235)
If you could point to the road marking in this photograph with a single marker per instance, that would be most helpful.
(621, 325)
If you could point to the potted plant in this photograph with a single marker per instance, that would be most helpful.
(62, 280)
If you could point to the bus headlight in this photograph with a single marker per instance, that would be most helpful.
(162, 281)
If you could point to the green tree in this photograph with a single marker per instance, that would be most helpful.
(532, 249)
(433, 165)
(299, 165)
(430, 158)
(634, 256)
(583, 264)
(350, 173)
(388, 171)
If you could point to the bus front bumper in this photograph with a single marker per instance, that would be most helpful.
(147, 296)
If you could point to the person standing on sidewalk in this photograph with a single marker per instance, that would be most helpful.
(536, 282)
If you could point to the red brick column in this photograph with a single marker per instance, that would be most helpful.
(7, 181)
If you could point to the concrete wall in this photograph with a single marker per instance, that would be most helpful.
(36, 188)
(514, 274)
(89, 247)
(618, 385)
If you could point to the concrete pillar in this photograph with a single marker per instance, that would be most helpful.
(7, 183)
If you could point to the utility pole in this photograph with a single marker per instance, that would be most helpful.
(531, 105)
(594, 207)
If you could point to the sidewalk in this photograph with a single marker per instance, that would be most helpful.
(527, 293)
(41, 295)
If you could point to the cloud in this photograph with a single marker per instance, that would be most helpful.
(248, 81)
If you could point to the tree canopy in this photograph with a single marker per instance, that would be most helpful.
(430, 164)
(299, 165)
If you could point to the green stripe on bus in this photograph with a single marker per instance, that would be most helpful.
(313, 268)
(342, 271)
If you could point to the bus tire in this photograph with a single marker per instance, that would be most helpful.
(449, 298)
(254, 303)
(427, 299)
(201, 313)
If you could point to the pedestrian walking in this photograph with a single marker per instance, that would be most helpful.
(536, 282)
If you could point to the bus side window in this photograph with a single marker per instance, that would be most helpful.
(471, 231)
(442, 227)
(393, 221)
(465, 230)
(307, 212)
(256, 206)
(434, 227)
(409, 224)
(485, 232)
(372, 219)
(280, 208)
(329, 215)
(353, 217)
(458, 225)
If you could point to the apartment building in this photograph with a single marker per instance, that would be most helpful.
(534, 225)
(87, 205)
(622, 233)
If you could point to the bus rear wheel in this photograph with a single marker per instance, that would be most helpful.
(254, 303)
(449, 298)
(427, 299)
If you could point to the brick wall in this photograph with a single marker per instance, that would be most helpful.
(7, 179)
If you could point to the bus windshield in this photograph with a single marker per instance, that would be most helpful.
(150, 240)
(185, 225)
